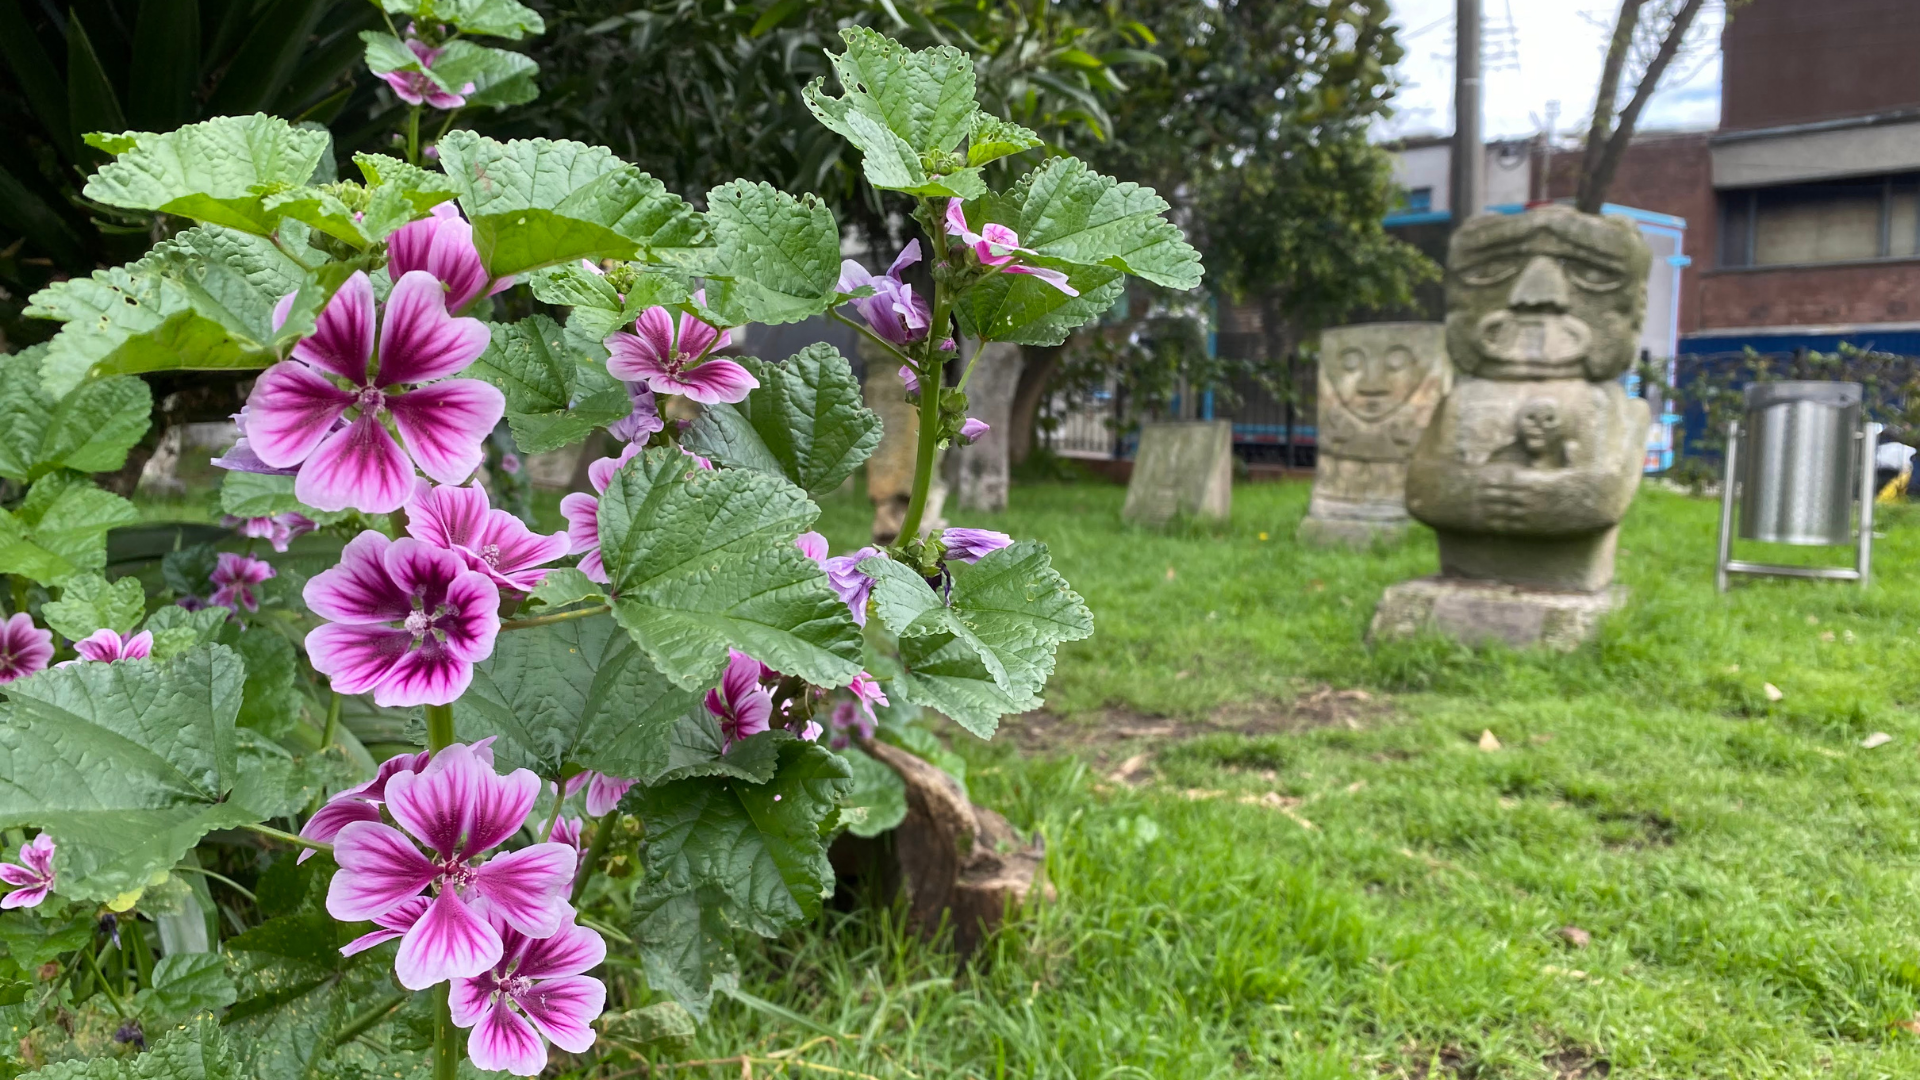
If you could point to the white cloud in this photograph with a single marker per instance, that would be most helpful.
(1536, 52)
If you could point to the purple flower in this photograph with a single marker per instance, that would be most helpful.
(491, 541)
(848, 583)
(812, 545)
(539, 987)
(968, 545)
(393, 924)
(742, 705)
(241, 458)
(459, 809)
(278, 530)
(893, 313)
(447, 617)
(416, 88)
(363, 803)
(674, 361)
(603, 791)
(866, 694)
(106, 646)
(32, 877)
(907, 376)
(643, 421)
(847, 717)
(973, 431)
(812, 732)
(25, 649)
(442, 245)
(510, 464)
(582, 512)
(568, 831)
(948, 345)
(234, 577)
(998, 246)
(444, 425)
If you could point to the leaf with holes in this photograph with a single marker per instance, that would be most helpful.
(219, 171)
(776, 258)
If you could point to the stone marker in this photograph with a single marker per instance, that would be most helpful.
(1533, 457)
(1182, 467)
(1379, 383)
(981, 477)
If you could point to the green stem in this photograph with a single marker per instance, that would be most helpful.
(221, 878)
(19, 594)
(439, 727)
(867, 331)
(447, 123)
(413, 136)
(333, 721)
(366, 1021)
(446, 1037)
(602, 839)
(298, 841)
(928, 449)
(93, 962)
(559, 803)
(562, 616)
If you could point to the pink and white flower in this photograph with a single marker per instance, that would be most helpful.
(603, 792)
(913, 381)
(812, 545)
(847, 719)
(406, 620)
(241, 458)
(969, 545)
(538, 987)
(32, 877)
(393, 924)
(570, 831)
(866, 694)
(442, 424)
(362, 803)
(417, 88)
(106, 645)
(893, 312)
(442, 245)
(234, 577)
(582, 512)
(459, 809)
(280, 530)
(491, 541)
(741, 704)
(674, 360)
(643, 421)
(999, 246)
(25, 649)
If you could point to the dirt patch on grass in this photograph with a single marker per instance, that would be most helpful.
(1042, 732)
(1574, 1063)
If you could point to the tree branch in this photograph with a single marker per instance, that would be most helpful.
(1602, 126)
(1595, 184)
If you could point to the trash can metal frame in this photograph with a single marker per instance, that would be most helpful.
(1861, 571)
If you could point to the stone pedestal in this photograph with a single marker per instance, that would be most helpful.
(1183, 467)
(981, 478)
(1379, 384)
(1482, 612)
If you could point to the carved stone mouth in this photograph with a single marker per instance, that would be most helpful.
(1534, 344)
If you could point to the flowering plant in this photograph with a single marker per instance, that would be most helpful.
(652, 717)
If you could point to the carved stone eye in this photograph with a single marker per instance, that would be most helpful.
(1595, 278)
(1351, 359)
(1491, 272)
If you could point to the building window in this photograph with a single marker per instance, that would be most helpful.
(1418, 201)
(1834, 221)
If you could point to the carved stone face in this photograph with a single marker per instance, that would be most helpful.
(1373, 383)
(1548, 294)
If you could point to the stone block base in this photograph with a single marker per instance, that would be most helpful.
(1477, 612)
(1349, 532)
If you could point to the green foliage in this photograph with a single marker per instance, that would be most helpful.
(701, 561)
(88, 430)
(60, 528)
(686, 945)
(295, 992)
(218, 172)
(1065, 211)
(878, 791)
(493, 18)
(807, 422)
(554, 398)
(498, 77)
(597, 308)
(90, 602)
(185, 984)
(199, 1051)
(776, 257)
(905, 110)
(126, 764)
(175, 629)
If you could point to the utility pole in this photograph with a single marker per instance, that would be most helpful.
(1469, 157)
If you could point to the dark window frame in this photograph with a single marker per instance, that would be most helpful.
(1739, 210)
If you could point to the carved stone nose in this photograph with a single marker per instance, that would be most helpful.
(1541, 287)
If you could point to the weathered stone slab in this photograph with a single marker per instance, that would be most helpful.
(1379, 385)
(1183, 467)
(981, 470)
(1479, 612)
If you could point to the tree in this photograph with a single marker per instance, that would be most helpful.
(1647, 37)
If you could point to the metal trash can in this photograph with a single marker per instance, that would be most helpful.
(1801, 471)
(1799, 468)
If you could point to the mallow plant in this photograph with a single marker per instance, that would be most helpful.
(633, 739)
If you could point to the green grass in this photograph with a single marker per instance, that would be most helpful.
(1745, 868)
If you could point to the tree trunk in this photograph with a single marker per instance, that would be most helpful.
(1603, 103)
(1036, 377)
(1594, 185)
(983, 479)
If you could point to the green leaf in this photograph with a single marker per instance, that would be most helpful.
(60, 528)
(697, 747)
(991, 138)
(946, 674)
(296, 991)
(176, 630)
(704, 560)
(219, 171)
(1022, 309)
(1066, 211)
(272, 704)
(807, 421)
(492, 18)
(758, 845)
(422, 189)
(541, 202)
(203, 299)
(565, 587)
(876, 789)
(186, 984)
(499, 77)
(90, 602)
(926, 97)
(553, 398)
(273, 783)
(126, 765)
(686, 946)
(189, 570)
(598, 310)
(198, 1051)
(88, 430)
(245, 494)
(776, 258)
(32, 940)
(572, 693)
(662, 1027)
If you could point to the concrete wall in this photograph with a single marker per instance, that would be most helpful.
(1797, 61)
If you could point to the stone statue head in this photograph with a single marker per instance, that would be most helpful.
(1373, 382)
(1549, 294)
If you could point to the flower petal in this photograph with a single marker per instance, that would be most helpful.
(812, 545)
(582, 512)
(445, 425)
(605, 792)
(473, 617)
(571, 949)
(459, 804)
(528, 888)
(419, 341)
(564, 1009)
(447, 515)
(338, 813)
(696, 336)
(367, 941)
(907, 257)
(424, 675)
(509, 552)
(421, 571)
(853, 276)
(359, 589)
(600, 473)
(469, 999)
(360, 468)
(291, 410)
(441, 245)
(356, 657)
(451, 941)
(643, 353)
(503, 1040)
(716, 381)
(379, 869)
(342, 339)
(25, 898)
(1052, 277)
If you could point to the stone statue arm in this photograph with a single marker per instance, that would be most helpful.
(1589, 494)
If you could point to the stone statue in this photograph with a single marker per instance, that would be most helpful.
(1533, 457)
(1531, 460)
(1379, 383)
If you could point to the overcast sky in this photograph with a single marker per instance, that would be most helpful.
(1536, 52)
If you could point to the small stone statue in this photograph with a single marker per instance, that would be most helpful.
(1532, 459)
(1379, 383)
